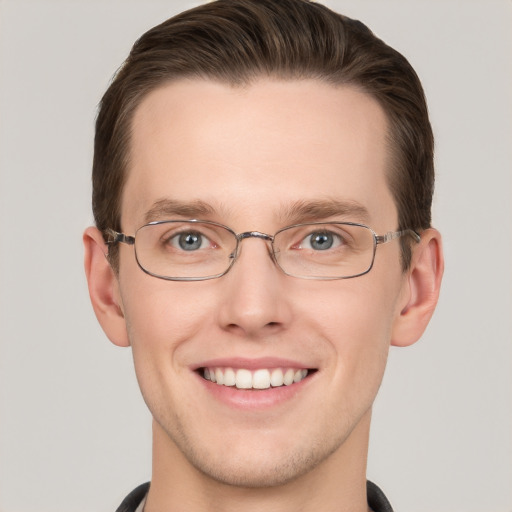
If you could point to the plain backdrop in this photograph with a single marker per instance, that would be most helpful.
(74, 431)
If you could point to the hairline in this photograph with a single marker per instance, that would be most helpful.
(247, 83)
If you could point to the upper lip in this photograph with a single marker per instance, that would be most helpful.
(251, 363)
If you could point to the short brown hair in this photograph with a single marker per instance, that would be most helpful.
(236, 41)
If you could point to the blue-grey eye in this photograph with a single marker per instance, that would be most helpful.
(190, 241)
(321, 241)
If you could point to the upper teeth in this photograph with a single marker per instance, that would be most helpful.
(257, 379)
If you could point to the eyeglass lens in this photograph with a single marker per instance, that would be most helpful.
(199, 250)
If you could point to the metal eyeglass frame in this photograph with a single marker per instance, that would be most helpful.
(116, 237)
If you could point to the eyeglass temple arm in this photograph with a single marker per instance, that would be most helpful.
(114, 237)
(391, 235)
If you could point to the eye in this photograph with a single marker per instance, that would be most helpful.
(321, 241)
(189, 241)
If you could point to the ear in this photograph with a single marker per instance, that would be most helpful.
(421, 289)
(104, 288)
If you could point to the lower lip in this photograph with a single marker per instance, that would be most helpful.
(253, 399)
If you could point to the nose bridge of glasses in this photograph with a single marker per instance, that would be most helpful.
(255, 234)
(251, 234)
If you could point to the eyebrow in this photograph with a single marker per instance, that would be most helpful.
(168, 208)
(295, 213)
(304, 211)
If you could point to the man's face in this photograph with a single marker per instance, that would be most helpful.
(259, 157)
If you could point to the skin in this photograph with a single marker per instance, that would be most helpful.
(250, 153)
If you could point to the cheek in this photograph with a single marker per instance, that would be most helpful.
(356, 322)
(360, 339)
(161, 316)
(354, 309)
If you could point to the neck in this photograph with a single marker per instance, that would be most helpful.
(338, 483)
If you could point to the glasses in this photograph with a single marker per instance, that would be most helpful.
(196, 250)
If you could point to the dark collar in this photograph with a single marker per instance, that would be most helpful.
(377, 501)
(132, 501)
(376, 498)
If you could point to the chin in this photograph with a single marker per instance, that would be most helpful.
(250, 473)
(256, 464)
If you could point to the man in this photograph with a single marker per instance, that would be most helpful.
(262, 182)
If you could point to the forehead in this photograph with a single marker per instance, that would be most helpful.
(250, 152)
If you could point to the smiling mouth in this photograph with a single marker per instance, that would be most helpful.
(255, 379)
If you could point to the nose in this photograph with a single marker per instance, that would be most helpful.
(254, 299)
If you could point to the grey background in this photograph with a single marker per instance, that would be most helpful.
(74, 432)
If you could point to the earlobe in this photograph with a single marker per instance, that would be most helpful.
(422, 289)
(104, 288)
